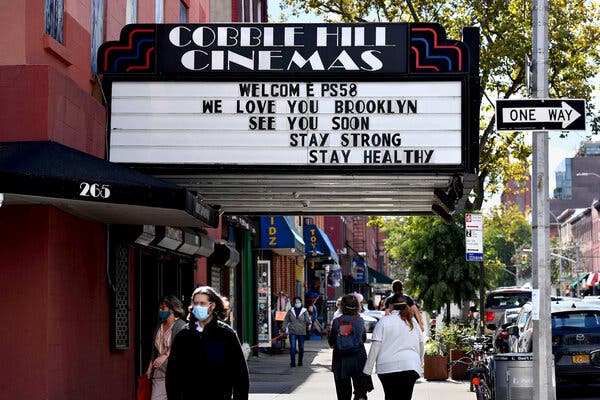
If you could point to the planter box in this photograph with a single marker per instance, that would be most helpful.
(435, 368)
(459, 370)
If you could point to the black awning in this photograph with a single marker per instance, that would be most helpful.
(224, 255)
(92, 188)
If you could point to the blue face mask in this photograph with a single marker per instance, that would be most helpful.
(298, 304)
(200, 312)
(163, 315)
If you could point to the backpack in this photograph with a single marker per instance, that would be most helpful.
(346, 341)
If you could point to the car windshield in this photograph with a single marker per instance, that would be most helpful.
(588, 321)
(507, 299)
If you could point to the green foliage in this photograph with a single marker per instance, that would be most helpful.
(507, 232)
(505, 26)
(434, 254)
(451, 337)
(433, 348)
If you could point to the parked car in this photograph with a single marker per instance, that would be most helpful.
(520, 321)
(370, 322)
(501, 337)
(372, 313)
(501, 299)
(575, 341)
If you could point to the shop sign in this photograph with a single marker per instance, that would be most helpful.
(360, 271)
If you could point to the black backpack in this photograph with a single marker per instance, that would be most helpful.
(346, 340)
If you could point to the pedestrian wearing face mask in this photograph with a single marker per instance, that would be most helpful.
(172, 320)
(297, 324)
(206, 360)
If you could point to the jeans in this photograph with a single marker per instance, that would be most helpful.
(293, 339)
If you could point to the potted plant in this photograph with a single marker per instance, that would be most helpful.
(435, 363)
(452, 341)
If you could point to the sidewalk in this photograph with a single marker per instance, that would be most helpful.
(271, 377)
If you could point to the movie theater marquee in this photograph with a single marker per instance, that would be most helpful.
(303, 95)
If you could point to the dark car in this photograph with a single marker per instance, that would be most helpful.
(501, 299)
(575, 342)
(575, 335)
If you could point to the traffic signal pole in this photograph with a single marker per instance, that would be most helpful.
(543, 361)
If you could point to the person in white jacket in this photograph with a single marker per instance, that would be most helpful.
(397, 350)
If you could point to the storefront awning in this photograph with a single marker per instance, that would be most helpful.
(278, 233)
(576, 281)
(377, 277)
(91, 188)
(318, 245)
(224, 255)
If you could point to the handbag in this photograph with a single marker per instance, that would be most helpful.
(144, 390)
(280, 315)
(317, 327)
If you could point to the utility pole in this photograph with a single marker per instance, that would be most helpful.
(542, 351)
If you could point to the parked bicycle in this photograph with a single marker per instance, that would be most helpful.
(480, 366)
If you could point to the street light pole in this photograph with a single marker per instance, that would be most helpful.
(542, 350)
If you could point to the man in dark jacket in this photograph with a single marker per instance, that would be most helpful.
(206, 360)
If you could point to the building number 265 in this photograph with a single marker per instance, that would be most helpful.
(94, 190)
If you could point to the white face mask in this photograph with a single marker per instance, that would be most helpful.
(298, 304)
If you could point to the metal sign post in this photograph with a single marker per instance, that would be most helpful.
(542, 351)
(474, 252)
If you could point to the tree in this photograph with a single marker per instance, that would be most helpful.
(506, 233)
(434, 254)
(505, 25)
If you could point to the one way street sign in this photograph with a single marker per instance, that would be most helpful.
(540, 115)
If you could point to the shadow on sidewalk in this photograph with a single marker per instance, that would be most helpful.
(271, 373)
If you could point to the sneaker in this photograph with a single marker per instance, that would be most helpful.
(299, 363)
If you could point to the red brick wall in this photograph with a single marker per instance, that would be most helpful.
(284, 275)
(56, 345)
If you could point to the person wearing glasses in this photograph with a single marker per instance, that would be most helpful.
(397, 350)
(206, 359)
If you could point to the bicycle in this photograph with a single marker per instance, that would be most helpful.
(480, 368)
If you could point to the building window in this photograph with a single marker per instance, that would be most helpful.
(53, 18)
(97, 30)
(183, 12)
(159, 11)
(131, 12)
(259, 17)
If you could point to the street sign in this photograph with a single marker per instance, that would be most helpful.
(474, 221)
(540, 114)
(474, 237)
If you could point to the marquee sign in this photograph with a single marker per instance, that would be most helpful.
(270, 100)
(278, 49)
(287, 122)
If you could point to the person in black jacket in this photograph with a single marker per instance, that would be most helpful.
(206, 360)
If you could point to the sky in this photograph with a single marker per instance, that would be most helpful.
(558, 148)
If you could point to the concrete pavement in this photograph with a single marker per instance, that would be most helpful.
(271, 377)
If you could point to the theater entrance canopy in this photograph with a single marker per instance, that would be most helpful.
(297, 119)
